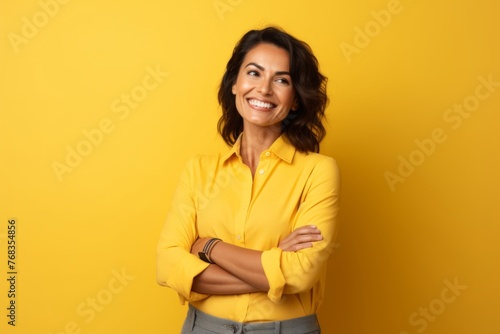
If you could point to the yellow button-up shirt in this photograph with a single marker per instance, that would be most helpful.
(217, 197)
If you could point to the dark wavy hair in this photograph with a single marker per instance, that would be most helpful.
(303, 127)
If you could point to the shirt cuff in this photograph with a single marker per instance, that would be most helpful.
(193, 297)
(271, 262)
(182, 280)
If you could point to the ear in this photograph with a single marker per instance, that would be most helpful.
(295, 105)
(233, 89)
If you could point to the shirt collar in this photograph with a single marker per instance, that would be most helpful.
(235, 150)
(281, 147)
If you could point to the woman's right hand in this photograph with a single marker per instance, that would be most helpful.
(301, 238)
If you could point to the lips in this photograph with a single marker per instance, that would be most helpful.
(261, 104)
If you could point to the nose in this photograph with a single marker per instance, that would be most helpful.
(265, 87)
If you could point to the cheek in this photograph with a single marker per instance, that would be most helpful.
(288, 98)
(242, 87)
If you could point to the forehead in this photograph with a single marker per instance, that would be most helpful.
(268, 56)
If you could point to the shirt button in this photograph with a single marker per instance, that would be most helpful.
(261, 171)
(238, 237)
(268, 154)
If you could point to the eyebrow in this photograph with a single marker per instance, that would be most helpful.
(262, 69)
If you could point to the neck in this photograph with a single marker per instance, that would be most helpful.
(253, 143)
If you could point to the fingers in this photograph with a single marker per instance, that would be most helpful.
(304, 231)
(308, 229)
(301, 238)
(298, 247)
(307, 233)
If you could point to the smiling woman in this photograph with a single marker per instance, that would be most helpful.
(249, 254)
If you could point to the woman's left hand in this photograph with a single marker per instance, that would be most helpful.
(301, 238)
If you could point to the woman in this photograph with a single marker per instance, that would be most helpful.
(248, 236)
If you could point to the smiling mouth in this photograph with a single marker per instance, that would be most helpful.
(260, 104)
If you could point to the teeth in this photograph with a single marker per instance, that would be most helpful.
(261, 104)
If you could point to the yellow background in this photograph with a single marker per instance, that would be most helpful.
(398, 244)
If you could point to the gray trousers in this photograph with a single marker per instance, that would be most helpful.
(198, 322)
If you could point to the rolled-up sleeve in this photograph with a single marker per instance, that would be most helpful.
(176, 267)
(297, 272)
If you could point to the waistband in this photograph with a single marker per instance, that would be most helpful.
(299, 325)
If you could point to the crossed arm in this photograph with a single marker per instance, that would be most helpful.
(239, 270)
(291, 267)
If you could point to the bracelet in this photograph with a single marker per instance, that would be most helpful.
(207, 249)
(211, 247)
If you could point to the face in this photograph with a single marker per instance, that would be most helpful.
(264, 90)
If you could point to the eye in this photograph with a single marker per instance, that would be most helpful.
(253, 73)
(284, 81)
